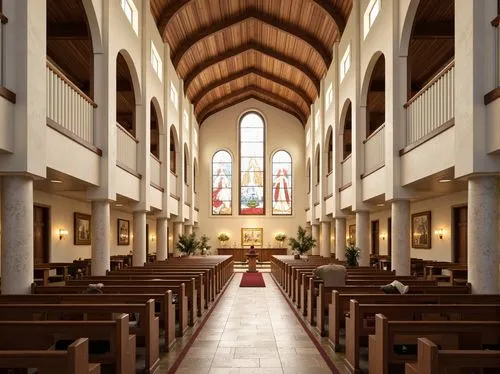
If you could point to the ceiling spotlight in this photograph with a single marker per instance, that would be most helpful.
(380, 204)
(444, 180)
(55, 181)
(118, 204)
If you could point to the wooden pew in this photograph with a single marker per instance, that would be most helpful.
(432, 360)
(448, 334)
(340, 305)
(360, 315)
(23, 335)
(181, 309)
(75, 360)
(147, 328)
(164, 305)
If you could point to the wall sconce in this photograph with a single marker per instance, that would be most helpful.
(62, 233)
(152, 238)
(440, 233)
(383, 235)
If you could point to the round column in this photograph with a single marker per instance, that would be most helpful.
(178, 230)
(100, 237)
(340, 238)
(325, 239)
(17, 235)
(362, 237)
(400, 234)
(139, 251)
(162, 234)
(482, 245)
(315, 236)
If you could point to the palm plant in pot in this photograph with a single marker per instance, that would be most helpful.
(303, 243)
(188, 244)
(203, 246)
(352, 255)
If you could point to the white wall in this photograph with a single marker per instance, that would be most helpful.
(220, 131)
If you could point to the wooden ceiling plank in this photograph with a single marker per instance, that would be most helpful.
(168, 13)
(193, 73)
(333, 12)
(434, 30)
(248, 97)
(67, 31)
(252, 70)
(287, 27)
(258, 90)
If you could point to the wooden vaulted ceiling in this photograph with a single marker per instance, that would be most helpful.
(275, 51)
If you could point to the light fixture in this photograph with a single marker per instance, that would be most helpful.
(153, 238)
(62, 233)
(118, 204)
(444, 180)
(440, 233)
(380, 204)
(383, 235)
(55, 181)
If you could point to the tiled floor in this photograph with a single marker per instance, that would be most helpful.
(251, 330)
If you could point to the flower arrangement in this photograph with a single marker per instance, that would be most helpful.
(280, 237)
(352, 255)
(303, 243)
(223, 237)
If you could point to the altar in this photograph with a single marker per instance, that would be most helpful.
(263, 254)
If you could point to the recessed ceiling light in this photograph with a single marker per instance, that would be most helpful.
(118, 204)
(380, 204)
(444, 180)
(55, 181)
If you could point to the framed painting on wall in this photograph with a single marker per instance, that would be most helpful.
(251, 236)
(82, 229)
(123, 232)
(421, 230)
(351, 239)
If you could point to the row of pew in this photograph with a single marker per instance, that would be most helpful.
(431, 329)
(123, 325)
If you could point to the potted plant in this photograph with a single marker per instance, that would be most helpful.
(280, 238)
(223, 237)
(203, 246)
(188, 244)
(303, 243)
(352, 255)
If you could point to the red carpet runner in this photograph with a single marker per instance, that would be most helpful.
(252, 280)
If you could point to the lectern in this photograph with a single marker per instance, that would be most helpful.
(252, 261)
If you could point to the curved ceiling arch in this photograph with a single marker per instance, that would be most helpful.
(247, 71)
(259, 92)
(294, 30)
(192, 74)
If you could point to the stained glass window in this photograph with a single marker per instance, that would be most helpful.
(221, 183)
(252, 164)
(282, 183)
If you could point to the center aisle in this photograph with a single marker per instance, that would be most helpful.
(253, 330)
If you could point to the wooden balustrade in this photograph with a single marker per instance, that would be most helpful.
(346, 168)
(68, 106)
(126, 148)
(432, 106)
(374, 145)
(155, 169)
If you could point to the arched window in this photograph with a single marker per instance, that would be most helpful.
(173, 161)
(221, 183)
(252, 164)
(186, 168)
(282, 183)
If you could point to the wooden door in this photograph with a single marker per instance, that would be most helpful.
(41, 234)
(460, 235)
(389, 236)
(375, 237)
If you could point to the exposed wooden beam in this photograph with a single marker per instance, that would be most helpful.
(252, 70)
(256, 90)
(169, 12)
(434, 30)
(333, 12)
(67, 31)
(193, 73)
(245, 98)
(296, 31)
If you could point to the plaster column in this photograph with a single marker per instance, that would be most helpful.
(188, 229)
(17, 235)
(400, 234)
(101, 228)
(178, 230)
(139, 249)
(340, 238)
(315, 236)
(325, 239)
(482, 216)
(162, 237)
(362, 237)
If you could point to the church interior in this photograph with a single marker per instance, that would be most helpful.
(225, 186)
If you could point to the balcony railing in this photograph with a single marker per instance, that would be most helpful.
(155, 169)
(346, 169)
(126, 148)
(330, 182)
(375, 150)
(173, 184)
(68, 106)
(432, 106)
